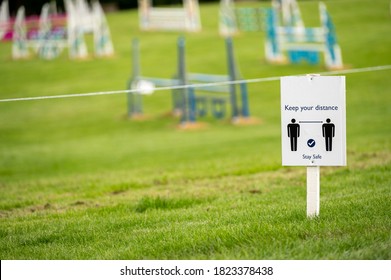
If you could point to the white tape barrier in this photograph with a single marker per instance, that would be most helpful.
(258, 80)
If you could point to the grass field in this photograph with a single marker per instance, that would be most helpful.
(78, 180)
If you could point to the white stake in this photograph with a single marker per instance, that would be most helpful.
(313, 191)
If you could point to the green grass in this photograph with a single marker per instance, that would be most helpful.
(78, 180)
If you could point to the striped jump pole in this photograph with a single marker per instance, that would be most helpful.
(234, 75)
(186, 95)
(135, 102)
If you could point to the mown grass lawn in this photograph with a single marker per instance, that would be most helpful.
(78, 180)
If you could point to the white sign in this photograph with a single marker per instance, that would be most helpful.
(313, 120)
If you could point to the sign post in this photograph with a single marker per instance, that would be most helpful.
(313, 190)
(313, 127)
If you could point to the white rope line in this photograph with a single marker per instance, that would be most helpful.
(258, 80)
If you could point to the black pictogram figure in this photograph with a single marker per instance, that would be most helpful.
(328, 132)
(293, 134)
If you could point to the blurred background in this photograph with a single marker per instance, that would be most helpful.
(34, 6)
